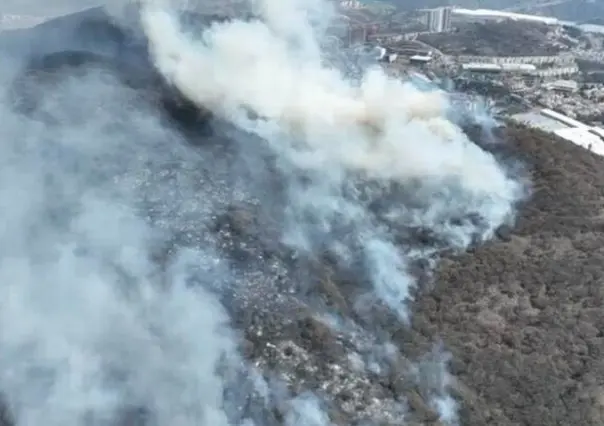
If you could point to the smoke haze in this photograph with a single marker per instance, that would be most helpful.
(88, 329)
(383, 129)
(105, 318)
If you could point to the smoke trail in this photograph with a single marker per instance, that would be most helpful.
(92, 330)
(383, 130)
(332, 136)
(97, 185)
(112, 280)
(306, 412)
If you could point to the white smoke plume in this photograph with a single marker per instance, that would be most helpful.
(268, 76)
(382, 129)
(306, 411)
(90, 327)
(375, 128)
(95, 327)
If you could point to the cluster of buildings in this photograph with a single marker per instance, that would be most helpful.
(563, 59)
(564, 96)
(517, 83)
(536, 66)
(478, 67)
(351, 4)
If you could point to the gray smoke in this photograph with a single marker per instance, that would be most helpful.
(340, 133)
(89, 325)
(98, 323)
(319, 122)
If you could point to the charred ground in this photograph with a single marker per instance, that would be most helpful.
(521, 314)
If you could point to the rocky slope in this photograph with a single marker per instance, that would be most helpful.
(520, 315)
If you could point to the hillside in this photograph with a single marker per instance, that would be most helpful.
(162, 266)
(523, 315)
(508, 38)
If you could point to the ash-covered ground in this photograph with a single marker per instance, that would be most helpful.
(213, 225)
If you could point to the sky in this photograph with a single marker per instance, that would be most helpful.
(27, 13)
(36, 7)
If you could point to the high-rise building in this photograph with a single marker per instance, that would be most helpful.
(439, 20)
(431, 20)
(447, 12)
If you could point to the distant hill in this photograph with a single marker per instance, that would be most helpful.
(508, 38)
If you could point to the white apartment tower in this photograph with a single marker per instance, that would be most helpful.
(439, 20)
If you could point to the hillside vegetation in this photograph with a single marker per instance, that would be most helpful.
(508, 38)
(522, 315)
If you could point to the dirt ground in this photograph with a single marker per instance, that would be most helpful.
(521, 315)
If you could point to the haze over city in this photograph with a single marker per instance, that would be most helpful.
(301, 213)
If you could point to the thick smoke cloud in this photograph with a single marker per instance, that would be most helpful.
(99, 324)
(335, 131)
(104, 318)
(89, 326)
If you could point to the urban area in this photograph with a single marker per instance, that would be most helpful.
(538, 70)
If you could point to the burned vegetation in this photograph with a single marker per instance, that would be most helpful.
(520, 314)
